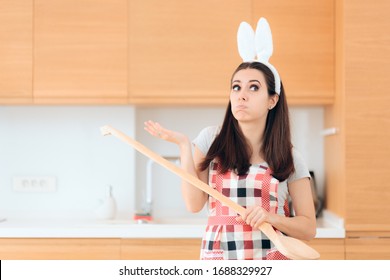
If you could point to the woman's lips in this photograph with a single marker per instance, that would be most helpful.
(241, 107)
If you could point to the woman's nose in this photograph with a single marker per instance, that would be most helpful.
(243, 95)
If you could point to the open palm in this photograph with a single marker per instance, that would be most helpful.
(156, 130)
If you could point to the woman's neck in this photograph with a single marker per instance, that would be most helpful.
(253, 133)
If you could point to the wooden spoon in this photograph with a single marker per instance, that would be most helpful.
(291, 247)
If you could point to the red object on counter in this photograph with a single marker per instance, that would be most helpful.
(144, 217)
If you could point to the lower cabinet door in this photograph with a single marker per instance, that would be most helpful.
(329, 248)
(160, 249)
(59, 248)
(367, 246)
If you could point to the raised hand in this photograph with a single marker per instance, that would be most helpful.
(156, 130)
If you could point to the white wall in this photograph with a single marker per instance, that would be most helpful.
(306, 122)
(65, 142)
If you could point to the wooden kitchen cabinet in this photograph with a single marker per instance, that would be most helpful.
(183, 52)
(303, 37)
(367, 115)
(59, 249)
(99, 248)
(161, 249)
(80, 52)
(376, 248)
(189, 249)
(329, 248)
(129, 249)
(16, 51)
(357, 156)
(367, 246)
(148, 52)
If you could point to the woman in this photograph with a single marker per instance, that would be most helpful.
(250, 159)
(251, 150)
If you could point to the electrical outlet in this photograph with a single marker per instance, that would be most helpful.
(35, 184)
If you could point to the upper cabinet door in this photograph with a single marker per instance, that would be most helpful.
(15, 51)
(303, 36)
(183, 52)
(80, 51)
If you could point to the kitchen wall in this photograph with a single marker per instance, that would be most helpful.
(65, 142)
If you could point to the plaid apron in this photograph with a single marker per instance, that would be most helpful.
(227, 239)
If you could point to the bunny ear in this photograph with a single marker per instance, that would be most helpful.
(246, 42)
(263, 40)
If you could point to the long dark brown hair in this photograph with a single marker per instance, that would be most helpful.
(231, 148)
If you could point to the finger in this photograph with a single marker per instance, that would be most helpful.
(164, 133)
(239, 219)
(244, 215)
(250, 215)
(161, 130)
(255, 215)
(152, 128)
(151, 131)
(259, 222)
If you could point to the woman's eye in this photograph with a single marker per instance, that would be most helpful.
(254, 88)
(236, 87)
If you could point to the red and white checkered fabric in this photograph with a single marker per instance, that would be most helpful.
(225, 238)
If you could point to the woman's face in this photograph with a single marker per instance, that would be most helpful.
(249, 96)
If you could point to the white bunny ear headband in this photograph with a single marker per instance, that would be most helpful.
(257, 46)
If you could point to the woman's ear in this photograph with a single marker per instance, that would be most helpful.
(273, 100)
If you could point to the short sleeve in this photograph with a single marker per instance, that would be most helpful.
(301, 170)
(205, 138)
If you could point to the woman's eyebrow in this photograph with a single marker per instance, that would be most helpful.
(251, 81)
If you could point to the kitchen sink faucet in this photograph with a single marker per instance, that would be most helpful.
(147, 208)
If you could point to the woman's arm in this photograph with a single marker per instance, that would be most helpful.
(194, 198)
(302, 226)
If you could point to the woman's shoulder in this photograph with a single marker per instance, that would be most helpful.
(300, 166)
(211, 131)
(206, 137)
(297, 155)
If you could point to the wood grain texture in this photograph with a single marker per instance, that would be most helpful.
(304, 50)
(80, 51)
(59, 249)
(367, 114)
(335, 117)
(183, 53)
(160, 249)
(357, 165)
(16, 52)
(329, 248)
(367, 248)
(127, 249)
(183, 50)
